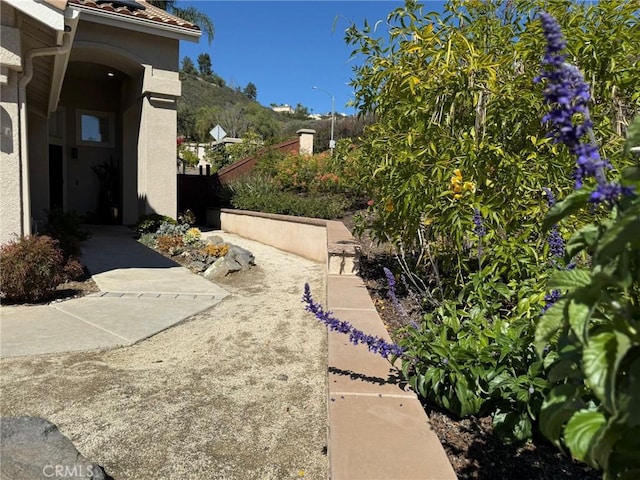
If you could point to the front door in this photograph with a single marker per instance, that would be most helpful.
(56, 180)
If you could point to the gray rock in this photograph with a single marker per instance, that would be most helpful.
(215, 240)
(34, 448)
(235, 250)
(217, 269)
(245, 260)
(198, 266)
(232, 265)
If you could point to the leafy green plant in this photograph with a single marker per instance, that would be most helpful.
(66, 228)
(151, 222)
(262, 194)
(593, 320)
(32, 267)
(457, 138)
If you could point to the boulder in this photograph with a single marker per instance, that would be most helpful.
(242, 256)
(198, 266)
(217, 269)
(215, 240)
(34, 448)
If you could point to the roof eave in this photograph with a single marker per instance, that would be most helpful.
(61, 61)
(114, 19)
(46, 13)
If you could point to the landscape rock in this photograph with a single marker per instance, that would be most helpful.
(34, 448)
(217, 269)
(232, 264)
(198, 266)
(215, 240)
(242, 256)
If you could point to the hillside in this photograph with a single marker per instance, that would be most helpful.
(204, 104)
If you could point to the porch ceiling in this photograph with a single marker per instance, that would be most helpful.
(35, 35)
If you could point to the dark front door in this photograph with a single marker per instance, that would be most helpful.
(55, 177)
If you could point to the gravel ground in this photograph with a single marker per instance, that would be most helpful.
(235, 392)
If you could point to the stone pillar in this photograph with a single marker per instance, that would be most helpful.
(306, 141)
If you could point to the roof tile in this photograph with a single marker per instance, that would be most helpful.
(150, 12)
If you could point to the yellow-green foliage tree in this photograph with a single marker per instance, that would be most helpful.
(455, 91)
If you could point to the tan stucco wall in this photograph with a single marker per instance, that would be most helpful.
(147, 112)
(157, 179)
(307, 238)
(10, 217)
(160, 52)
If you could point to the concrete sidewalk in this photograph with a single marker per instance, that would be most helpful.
(141, 294)
(234, 392)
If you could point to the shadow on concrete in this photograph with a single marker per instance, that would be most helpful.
(113, 247)
(392, 379)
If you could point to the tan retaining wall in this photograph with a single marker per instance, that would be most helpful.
(378, 430)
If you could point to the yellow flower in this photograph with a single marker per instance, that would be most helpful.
(469, 187)
(427, 221)
(389, 206)
(457, 173)
(457, 196)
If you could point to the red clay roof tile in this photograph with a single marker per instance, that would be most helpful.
(150, 12)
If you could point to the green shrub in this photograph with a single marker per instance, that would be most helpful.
(32, 267)
(261, 193)
(151, 222)
(66, 228)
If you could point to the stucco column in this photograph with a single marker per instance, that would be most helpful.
(306, 141)
(157, 175)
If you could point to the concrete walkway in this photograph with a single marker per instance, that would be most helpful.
(237, 391)
(141, 294)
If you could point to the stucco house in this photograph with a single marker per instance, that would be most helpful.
(88, 93)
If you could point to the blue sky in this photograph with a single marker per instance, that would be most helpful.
(287, 47)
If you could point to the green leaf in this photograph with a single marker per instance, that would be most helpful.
(574, 202)
(580, 431)
(600, 359)
(633, 135)
(559, 405)
(631, 174)
(569, 279)
(623, 234)
(629, 396)
(583, 238)
(503, 290)
(549, 324)
(579, 309)
(564, 369)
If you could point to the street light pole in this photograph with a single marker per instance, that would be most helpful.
(332, 143)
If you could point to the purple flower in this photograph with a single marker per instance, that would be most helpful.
(478, 221)
(552, 297)
(568, 96)
(556, 242)
(391, 282)
(551, 198)
(375, 344)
